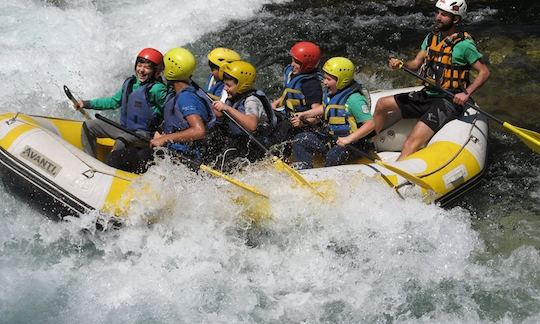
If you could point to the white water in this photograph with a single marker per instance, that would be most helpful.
(368, 257)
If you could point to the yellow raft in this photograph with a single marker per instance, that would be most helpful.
(41, 159)
(451, 163)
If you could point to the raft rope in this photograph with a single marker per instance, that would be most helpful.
(388, 182)
(443, 165)
(88, 173)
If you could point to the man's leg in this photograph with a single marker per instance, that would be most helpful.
(418, 137)
(384, 106)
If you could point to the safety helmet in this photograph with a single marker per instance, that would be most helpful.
(179, 64)
(455, 7)
(342, 68)
(308, 54)
(152, 55)
(221, 55)
(242, 71)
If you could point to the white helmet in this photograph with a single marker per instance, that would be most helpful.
(456, 7)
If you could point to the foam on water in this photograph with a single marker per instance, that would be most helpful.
(369, 256)
(90, 45)
(363, 259)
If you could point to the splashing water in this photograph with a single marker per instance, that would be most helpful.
(367, 257)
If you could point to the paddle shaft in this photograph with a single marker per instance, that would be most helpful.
(527, 136)
(242, 128)
(449, 93)
(191, 162)
(277, 161)
(72, 98)
(410, 177)
(127, 130)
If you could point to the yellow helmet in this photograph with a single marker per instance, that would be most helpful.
(242, 71)
(222, 55)
(342, 68)
(179, 64)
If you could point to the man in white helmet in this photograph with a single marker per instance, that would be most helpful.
(446, 57)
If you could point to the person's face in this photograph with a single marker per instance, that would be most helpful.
(230, 86)
(144, 71)
(444, 20)
(215, 72)
(296, 66)
(330, 82)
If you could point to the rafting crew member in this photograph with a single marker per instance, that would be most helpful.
(346, 114)
(249, 107)
(140, 100)
(303, 91)
(216, 58)
(446, 57)
(187, 113)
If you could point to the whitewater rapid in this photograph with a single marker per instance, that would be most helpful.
(368, 257)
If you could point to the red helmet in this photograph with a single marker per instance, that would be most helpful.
(152, 55)
(308, 54)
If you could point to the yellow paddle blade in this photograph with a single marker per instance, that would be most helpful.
(232, 180)
(282, 166)
(410, 177)
(326, 187)
(530, 138)
(255, 208)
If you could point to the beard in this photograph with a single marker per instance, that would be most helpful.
(443, 27)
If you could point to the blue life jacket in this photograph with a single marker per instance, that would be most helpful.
(339, 119)
(136, 111)
(175, 120)
(214, 87)
(293, 98)
(239, 104)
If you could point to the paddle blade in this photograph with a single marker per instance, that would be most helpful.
(530, 138)
(255, 208)
(232, 180)
(409, 176)
(75, 103)
(282, 166)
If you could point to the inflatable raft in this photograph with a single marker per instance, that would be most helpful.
(451, 163)
(41, 160)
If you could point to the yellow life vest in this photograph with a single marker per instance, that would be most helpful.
(339, 119)
(438, 66)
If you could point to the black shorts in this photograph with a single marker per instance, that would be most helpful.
(434, 112)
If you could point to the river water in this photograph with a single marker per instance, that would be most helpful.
(370, 258)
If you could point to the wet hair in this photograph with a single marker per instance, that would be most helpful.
(227, 77)
(142, 60)
(213, 66)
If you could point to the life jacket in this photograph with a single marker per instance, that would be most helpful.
(135, 110)
(293, 98)
(174, 120)
(438, 66)
(239, 104)
(214, 87)
(339, 119)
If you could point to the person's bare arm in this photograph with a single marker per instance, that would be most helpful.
(413, 64)
(481, 78)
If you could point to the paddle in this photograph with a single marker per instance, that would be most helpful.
(528, 137)
(279, 164)
(410, 177)
(194, 164)
(72, 98)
